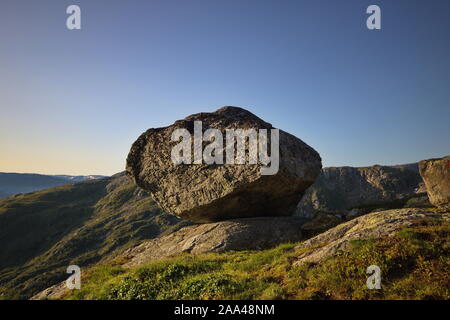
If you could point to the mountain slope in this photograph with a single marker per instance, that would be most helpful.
(84, 223)
(410, 246)
(44, 232)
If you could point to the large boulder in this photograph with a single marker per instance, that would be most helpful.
(213, 192)
(436, 175)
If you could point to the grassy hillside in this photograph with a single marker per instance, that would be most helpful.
(41, 233)
(90, 223)
(414, 264)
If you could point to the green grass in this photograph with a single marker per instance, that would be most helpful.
(414, 265)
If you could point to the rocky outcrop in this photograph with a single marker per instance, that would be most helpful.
(214, 192)
(347, 192)
(436, 175)
(374, 225)
(239, 234)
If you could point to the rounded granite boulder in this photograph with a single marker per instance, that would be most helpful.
(205, 192)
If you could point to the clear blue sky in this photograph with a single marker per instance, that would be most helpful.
(74, 101)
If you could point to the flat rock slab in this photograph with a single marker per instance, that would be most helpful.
(214, 192)
(373, 225)
(436, 175)
(238, 234)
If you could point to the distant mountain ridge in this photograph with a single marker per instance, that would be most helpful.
(16, 183)
(78, 178)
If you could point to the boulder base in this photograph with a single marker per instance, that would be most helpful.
(238, 234)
